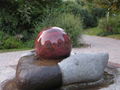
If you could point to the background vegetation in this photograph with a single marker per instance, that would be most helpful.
(21, 20)
(109, 25)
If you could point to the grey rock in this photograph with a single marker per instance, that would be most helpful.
(84, 67)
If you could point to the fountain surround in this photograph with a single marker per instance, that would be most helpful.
(51, 67)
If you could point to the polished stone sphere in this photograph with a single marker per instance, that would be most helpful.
(53, 43)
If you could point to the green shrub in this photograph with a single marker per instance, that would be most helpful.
(17, 16)
(110, 27)
(99, 12)
(70, 23)
(88, 19)
(29, 43)
(11, 42)
(71, 7)
(3, 37)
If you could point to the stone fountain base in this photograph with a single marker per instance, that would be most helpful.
(109, 81)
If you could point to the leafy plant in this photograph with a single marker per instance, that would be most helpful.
(110, 27)
(88, 19)
(11, 42)
(17, 16)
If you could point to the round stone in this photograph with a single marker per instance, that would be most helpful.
(53, 43)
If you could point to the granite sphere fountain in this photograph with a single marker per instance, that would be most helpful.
(52, 66)
(53, 43)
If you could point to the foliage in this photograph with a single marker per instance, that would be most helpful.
(11, 42)
(67, 21)
(29, 44)
(88, 19)
(93, 31)
(115, 36)
(17, 16)
(112, 5)
(1, 39)
(98, 12)
(3, 36)
(70, 7)
(98, 31)
(111, 27)
(26, 18)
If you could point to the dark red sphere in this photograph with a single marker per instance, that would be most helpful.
(53, 43)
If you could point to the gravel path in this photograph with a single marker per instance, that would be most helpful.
(96, 44)
(10, 58)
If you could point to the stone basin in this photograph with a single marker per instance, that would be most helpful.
(109, 81)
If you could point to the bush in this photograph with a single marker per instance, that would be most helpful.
(99, 12)
(71, 7)
(17, 16)
(3, 37)
(29, 43)
(11, 42)
(88, 19)
(110, 27)
(70, 23)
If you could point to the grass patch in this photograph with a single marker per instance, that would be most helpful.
(96, 32)
(92, 31)
(115, 36)
(12, 50)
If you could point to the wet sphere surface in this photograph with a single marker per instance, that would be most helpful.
(53, 43)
